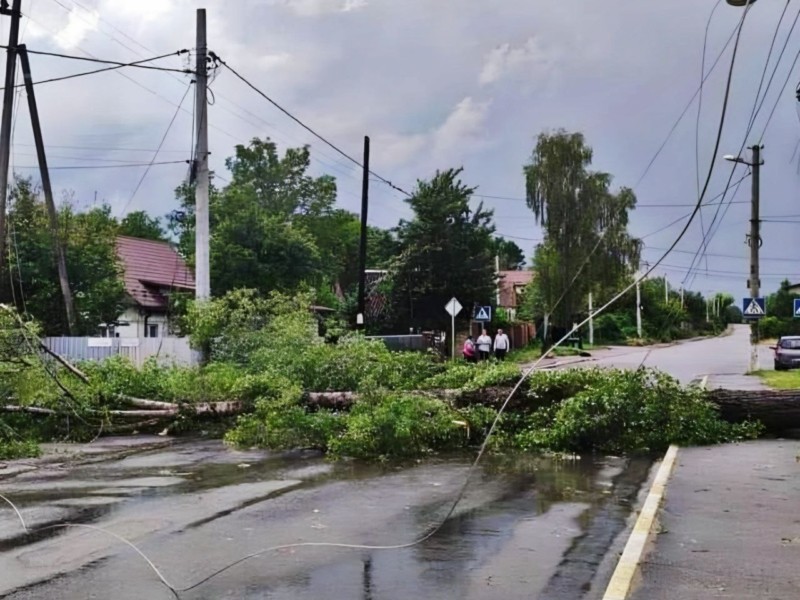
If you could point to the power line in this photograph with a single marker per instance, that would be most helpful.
(94, 71)
(66, 168)
(155, 154)
(700, 110)
(708, 236)
(685, 110)
(137, 64)
(302, 124)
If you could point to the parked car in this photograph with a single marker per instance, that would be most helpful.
(787, 353)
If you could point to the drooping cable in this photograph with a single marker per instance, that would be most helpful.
(758, 103)
(158, 149)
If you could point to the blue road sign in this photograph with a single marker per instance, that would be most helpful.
(483, 313)
(797, 308)
(754, 308)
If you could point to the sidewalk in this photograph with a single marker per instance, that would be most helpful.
(729, 526)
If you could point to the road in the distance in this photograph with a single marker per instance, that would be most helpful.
(724, 359)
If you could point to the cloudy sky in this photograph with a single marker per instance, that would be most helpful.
(435, 84)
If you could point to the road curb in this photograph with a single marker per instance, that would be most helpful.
(622, 580)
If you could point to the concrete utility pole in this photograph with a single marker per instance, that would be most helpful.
(666, 290)
(202, 269)
(638, 309)
(5, 123)
(497, 280)
(755, 246)
(362, 253)
(591, 321)
(681, 297)
(754, 241)
(47, 188)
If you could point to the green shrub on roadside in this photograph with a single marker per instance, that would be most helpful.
(13, 449)
(623, 411)
(398, 425)
(460, 375)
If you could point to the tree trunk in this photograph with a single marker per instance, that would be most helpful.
(778, 410)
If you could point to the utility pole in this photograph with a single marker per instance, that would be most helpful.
(497, 280)
(47, 188)
(681, 297)
(5, 124)
(362, 253)
(755, 246)
(638, 309)
(666, 290)
(708, 319)
(201, 257)
(591, 321)
(754, 241)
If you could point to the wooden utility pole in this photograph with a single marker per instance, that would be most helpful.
(47, 188)
(5, 123)
(202, 269)
(362, 253)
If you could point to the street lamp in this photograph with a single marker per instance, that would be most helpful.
(741, 2)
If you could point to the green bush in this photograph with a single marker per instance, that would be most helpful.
(12, 449)
(775, 327)
(623, 411)
(397, 425)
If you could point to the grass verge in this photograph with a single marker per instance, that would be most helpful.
(782, 380)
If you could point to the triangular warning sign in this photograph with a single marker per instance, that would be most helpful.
(754, 309)
(482, 314)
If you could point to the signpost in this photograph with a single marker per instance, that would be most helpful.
(482, 313)
(797, 308)
(453, 308)
(754, 308)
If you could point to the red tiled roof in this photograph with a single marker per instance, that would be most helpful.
(150, 266)
(510, 282)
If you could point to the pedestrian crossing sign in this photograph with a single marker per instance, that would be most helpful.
(483, 313)
(797, 308)
(754, 308)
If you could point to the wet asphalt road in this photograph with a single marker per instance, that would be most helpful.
(724, 359)
(527, 528)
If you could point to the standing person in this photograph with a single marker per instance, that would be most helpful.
(501, 345)
(484, 345)
(469, 351)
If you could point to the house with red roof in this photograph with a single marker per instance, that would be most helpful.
(152, 270)
(510, 287)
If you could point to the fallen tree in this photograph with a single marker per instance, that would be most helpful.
(778, 410)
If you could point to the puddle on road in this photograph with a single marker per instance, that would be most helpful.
(528, 527)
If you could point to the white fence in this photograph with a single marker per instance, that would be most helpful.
(167, 350)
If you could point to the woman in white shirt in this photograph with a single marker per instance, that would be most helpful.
(484, 343)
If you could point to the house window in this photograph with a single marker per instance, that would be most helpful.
(152, 330)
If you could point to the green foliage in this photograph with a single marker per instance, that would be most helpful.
(12, 449)
(780, 318)
(139, 224)
(396, 426)
(445, 251)
(581, 218)
(512, 258)
(622, 411)
(460, 375)
(92, 266)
